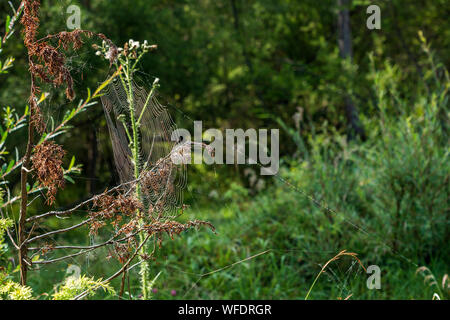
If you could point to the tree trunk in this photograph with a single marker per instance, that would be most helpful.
(346, 52)
(240, 36)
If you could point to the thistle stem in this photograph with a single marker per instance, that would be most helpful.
(128, 86)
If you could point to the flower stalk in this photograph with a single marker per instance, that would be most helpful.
(127, 58)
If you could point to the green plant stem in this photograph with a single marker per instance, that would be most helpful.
(128, 86)
(312, 286)
(146, 103)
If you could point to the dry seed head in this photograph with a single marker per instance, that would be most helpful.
(47, 163)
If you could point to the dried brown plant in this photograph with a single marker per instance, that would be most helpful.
(335, 258)
(113, 209)
(48, 62)
(174, 227)
(47, 165)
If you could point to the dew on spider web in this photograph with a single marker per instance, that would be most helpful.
(165, 191)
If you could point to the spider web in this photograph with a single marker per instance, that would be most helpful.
(154, 135)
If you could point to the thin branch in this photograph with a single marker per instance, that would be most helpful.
(17, 198)
(124, 267)
(62, 258)
(59, 231)
(95, 246)
(13, 21)
(31, 232)
(70, 211)
(9, 233)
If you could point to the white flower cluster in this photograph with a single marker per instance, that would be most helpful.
(132, 49)
(136, 46)
(107, 51)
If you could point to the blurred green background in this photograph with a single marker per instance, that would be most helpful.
(363, 142)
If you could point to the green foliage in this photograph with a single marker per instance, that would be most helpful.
(260, 65)
(69, 290)
(8, 288)
(409, 164)
(441, 287)
(13, 291)
(385, 199)
(4, 225)
(74, 286)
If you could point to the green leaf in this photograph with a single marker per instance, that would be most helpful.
(10, 165)
(105, 83)
(8, 21)
(72, 162)
(69, 179)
